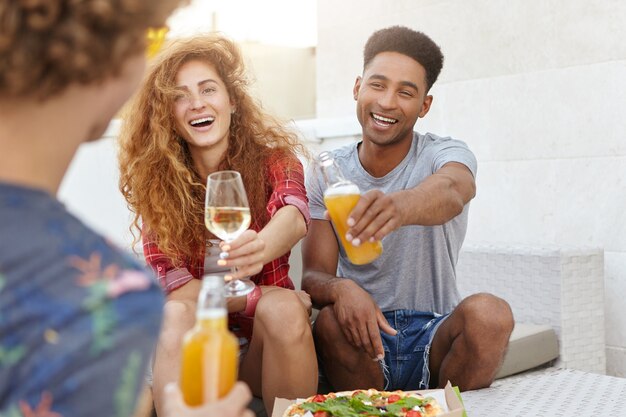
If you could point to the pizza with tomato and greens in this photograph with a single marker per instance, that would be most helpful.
(366, 403)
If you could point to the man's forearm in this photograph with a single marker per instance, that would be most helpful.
(323, 288)
(428, 206)
(438, 199)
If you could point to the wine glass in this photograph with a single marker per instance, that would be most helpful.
(227, 215)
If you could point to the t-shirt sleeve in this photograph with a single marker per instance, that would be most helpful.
(315, 191)
(452, 150)
(287, 182)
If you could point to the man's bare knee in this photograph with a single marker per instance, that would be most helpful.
(487, 326)
(327, 333)
(488, 316)
(333, 346)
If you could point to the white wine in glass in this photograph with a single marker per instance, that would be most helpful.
(227, 222)
(227, 215)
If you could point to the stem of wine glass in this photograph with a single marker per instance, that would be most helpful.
(237, 287)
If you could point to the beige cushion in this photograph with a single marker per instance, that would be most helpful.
(530, 345)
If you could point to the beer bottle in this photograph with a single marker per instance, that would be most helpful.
(210, 352)
(340, 198)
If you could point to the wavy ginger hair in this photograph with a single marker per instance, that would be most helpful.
(158, 179)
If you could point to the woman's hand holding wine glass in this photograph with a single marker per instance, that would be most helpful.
(245, 254)
(227, 216)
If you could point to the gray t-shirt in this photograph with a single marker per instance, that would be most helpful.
(417, 268)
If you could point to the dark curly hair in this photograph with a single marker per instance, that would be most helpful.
(46, 45)
(407, 42)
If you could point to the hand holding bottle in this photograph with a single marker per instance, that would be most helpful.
(233, 405)
(340, 198)
(374, 216)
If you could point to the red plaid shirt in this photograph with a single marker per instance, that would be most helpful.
(287, 188)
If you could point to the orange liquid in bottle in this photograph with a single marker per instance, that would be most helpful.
(210, 359)
(339, 206)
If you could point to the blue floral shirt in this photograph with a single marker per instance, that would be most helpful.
(78, 317)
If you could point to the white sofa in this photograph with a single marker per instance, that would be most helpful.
(559, 287)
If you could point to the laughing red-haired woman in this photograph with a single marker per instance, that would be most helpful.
(192, 117)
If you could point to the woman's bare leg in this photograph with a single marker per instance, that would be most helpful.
(281, 359)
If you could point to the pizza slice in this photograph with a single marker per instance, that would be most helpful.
(366, 403)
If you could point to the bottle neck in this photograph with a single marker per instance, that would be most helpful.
(330, 170)
(211, 310)
(332, 175)
(212, 318)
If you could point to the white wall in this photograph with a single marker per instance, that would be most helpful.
(283, 78)
(537, 88)
(89, 189)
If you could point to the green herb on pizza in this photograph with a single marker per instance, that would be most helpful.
(366, 403)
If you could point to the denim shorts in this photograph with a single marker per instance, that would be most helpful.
(407, 353)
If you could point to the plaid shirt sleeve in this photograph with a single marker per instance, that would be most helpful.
(169, 276)
(286, 177)
(287, 182)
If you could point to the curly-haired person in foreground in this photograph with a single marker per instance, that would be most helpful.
(194, 116)
(78, 318)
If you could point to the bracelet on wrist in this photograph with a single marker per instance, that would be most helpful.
(252, 299)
